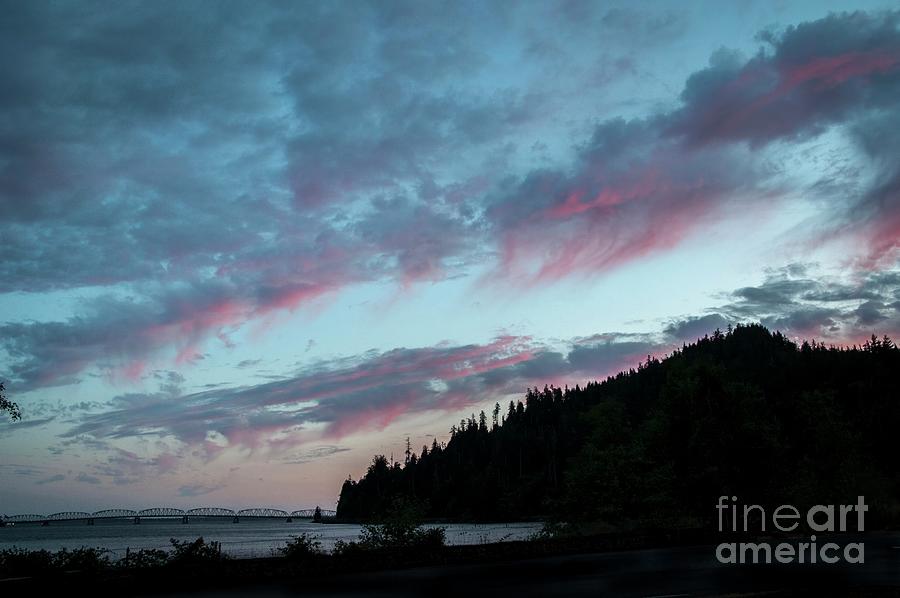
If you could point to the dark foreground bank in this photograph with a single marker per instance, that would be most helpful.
(682, 563)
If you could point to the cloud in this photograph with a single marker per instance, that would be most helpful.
(871, 312)
(800, 302)
(842, 70)
(644, 185)
(815, 74)
(87, 479)
(609, 353)
(148, 133)
(695, 326)
(51, 480)
(874, 219)
(188, 184)
(341, 397)
(313, 454)
(198, 489)
(108, 462)
(122, 335)
(345, 396)
(21, 469)
(9, 427)
(297, 419)
(632, 192)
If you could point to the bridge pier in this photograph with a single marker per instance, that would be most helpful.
(290, 520)
(236, 519)
(137, 520)
(45, 523)
(90, 521)
(184, 519)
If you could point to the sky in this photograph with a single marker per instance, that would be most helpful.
(244, 246)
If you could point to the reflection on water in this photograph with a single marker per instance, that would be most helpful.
(249, 538)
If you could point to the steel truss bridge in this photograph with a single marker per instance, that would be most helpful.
(169, 513)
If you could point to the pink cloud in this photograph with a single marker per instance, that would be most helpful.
(369, 418)
(610, 214)
(830, 71)
(369, 393)
(882, 238)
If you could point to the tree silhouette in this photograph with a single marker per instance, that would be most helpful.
(8, 406)
(745, 413)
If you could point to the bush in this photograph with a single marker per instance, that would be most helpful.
(552, 530)
(430, 538)
(81, 559)
(342, 548)
(146, 558)
(18, 562)
(402, 528)
(196, 552)
(300, 547)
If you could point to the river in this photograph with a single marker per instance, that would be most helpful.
(249, 538)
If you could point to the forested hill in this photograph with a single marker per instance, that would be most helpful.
(745, 413)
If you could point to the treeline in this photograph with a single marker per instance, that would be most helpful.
(744, 413)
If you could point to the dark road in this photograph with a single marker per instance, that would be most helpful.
(686, 571)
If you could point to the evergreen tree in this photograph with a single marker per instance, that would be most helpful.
(746, 413)
(8, 406)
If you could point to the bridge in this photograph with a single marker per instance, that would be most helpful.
(314, 514)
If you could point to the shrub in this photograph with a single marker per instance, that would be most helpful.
(402, 528)
(343, 548)
(430, 538)
(146, 558)
(81, 559)
(195, 552)
(300, 547)
(18, 562)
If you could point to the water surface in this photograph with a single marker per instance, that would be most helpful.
(249, 538)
